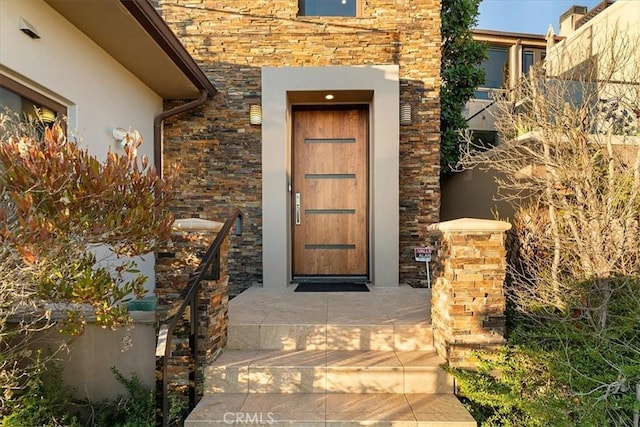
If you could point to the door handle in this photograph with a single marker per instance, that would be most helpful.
(297, 208)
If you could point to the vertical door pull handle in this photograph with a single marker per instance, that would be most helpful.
(297, 208)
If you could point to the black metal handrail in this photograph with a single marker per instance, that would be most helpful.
(189, 297)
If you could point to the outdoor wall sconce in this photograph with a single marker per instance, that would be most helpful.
(47, 116)
(128, 138)
(405, 114)
(120, 135)
(255, 114)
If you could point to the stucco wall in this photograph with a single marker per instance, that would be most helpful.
(71, 69)
(91, 355)
(473, 193)
(221, 152)
(100, 94)
(67, 66)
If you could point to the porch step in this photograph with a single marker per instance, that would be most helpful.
(338, 410)
(381, 337)
(332, 371)
(333, 359)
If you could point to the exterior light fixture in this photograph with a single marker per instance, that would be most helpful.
(328, 97)
(405, 114)
(255, 114)
(127, 138)
(119, 134)
(46, 115)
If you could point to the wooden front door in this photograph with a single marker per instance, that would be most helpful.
(329, 189)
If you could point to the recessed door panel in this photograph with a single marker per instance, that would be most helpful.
(330, 188)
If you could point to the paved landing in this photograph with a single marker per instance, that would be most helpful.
(381, 306)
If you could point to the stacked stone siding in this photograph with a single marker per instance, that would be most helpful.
(220, 152)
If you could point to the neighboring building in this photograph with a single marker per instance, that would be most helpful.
(509, 58)
(104, 65)
(583, 52)
(578, 16)
(602, 53)
(511, 55)
(339, 188)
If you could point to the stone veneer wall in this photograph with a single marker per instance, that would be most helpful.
(175, 262)
(467, 298)
(220, 152)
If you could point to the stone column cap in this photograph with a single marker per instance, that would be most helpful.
(196, 224)
(470, 225)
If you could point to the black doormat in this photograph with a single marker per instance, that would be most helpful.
(332, 287)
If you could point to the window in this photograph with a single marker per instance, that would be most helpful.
(328, 7)
(30, 104)
(484, 138)
(528, 58)
(495, 71)
(27, 102)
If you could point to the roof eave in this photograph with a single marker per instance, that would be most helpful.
(146, 15)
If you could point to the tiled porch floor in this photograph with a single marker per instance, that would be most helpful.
(402, 305)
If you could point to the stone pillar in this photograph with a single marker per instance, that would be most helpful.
(176, 260)
(467, 298)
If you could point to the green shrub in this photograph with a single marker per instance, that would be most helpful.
(46, 401)
(513, 387)
(42, 401)
(560, 372)
(177, 409)
(135, 410)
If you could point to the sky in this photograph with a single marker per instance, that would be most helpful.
(525, 16)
